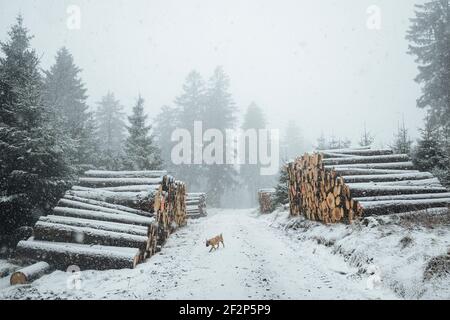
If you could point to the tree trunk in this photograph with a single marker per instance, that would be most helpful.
(30, 273)
(86, 257)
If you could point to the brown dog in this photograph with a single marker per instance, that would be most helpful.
(214, 242)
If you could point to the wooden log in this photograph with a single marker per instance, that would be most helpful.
(102, 216)
(327, 155)
(344, 171)
(107, 205)
(399, 206)
(133, 188)
(360, 152)
(406, 197)
(30, 273)
(367, 159)
(66, 203)
(63, 255)
(95, 224)
(391, 165)
(46, 231)
(125, 174)
(387, 177)
(115, 182)
(135, 200)
(374, 190)
(433, 182)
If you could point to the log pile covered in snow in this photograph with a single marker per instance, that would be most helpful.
(196, 205)
(265, 198)
(342, 185)
(111, 220)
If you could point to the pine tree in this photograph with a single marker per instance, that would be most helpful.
(141, 151)
(402, 142)
(66, 94)
(366, 139)
(281, 189)
(254, 119)
(111, 132)
(165, 124)
(429, 152)
(190, 107)
(430, 43)
(33, 168)
(220, 115)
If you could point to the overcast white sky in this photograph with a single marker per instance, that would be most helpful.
(310, 60)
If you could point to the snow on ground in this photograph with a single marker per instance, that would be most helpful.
(264, 260)
(408, 253)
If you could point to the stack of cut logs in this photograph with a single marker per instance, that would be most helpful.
(112, 220)
(342, 185)
(265, 198)
(196, 205)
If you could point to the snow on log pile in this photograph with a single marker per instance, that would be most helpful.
(265, 198)
(112, 220)
(342, 185)
(196, 205)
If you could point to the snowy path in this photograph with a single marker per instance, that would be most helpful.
(258, 262)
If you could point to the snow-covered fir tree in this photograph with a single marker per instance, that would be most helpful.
(429, 38)
(367, 138)
(190, 107)
(33, 168)
(281, 189)
(219, 114)
(254, 119)
(429, 152)
(402, 142)
(66, 94)
(165, 123)
(110, 132)
(141, 152)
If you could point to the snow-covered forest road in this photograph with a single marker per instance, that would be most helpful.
(258, 262)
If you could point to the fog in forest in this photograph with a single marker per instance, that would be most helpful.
(320, 63)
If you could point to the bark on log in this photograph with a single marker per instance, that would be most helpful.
(95, 224)
(66, 203)
(400, 206)
(102, 216)
(366, 172)
(372, 191)
(369, 159)
(115, 182)
(125, 174)
(30, 273)
(406, 197)
(82, 205)
(135, 200)
(387, 177)
(391, 165)
(133, 188)
(360, 152)
(46, 231)
(107, 205)
(63, 255)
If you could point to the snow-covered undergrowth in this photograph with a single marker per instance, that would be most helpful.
(408, 253)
